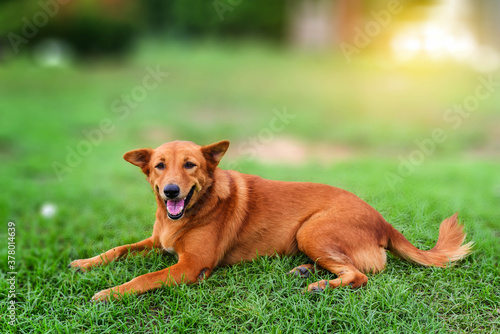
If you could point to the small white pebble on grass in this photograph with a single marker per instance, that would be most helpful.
(48, 210)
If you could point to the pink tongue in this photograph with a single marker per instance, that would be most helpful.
(175, 207)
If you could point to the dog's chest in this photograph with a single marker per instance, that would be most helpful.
(167, 238)
(170, 250)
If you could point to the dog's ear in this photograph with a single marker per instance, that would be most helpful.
(140, 158)
(214, 152)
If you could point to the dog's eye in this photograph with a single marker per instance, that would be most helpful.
(161, 165)
(189, 165)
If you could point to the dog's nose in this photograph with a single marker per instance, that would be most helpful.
(171, 190)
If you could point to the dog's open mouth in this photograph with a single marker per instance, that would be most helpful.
(176, 207)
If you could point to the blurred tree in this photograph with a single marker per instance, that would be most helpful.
(229, 18)
(109, 26)
(89, 26)
(157, 15)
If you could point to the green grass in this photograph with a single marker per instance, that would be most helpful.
(214, 93)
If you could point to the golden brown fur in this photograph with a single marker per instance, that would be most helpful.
(233, 217)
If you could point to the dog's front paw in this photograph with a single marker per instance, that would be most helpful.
(114, 293)
(106, 295)
(82, 265)
(101, 296)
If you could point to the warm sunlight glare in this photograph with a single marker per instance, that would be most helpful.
(433, 42)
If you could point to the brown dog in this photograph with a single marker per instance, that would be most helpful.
(211, 217)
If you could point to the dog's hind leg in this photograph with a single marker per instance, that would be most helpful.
(347, 275)
(337, 262)
(340, 249)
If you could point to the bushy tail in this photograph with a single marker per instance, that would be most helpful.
(448, 248)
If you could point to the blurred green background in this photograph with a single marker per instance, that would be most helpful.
(390, 99)
(359, 78)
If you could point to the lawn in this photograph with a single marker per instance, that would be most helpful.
(215, 92)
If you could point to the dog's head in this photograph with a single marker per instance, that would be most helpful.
(179, 171)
